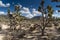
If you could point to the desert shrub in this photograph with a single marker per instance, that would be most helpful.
(58, 30)
(48, 25)
(58, 38)
(6, 38)
(0, 27)
(56, 23)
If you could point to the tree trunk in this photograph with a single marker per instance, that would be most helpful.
(43, 31)
(43, 24)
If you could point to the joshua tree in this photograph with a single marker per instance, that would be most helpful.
(17, 17)
(43, 11)
(9, 16)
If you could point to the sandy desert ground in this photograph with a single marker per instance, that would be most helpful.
(52, 31)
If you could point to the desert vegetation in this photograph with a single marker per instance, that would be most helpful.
(17, 27)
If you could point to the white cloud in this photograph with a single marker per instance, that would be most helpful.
(29, 16)
(56, 11)
(26, 9)
(1, 4)
(35, 13)
(34, 9)
(7, 5)
(56, 14)
(4, 5)
(4, 13)
(26, 12)
(1, 12)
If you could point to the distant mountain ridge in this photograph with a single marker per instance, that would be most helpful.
(36, 17)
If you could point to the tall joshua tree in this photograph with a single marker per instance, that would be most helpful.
(18, 17)
(15, 17)
(11, 18)
(41, 9)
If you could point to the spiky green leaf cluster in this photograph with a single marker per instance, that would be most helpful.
(50, 11)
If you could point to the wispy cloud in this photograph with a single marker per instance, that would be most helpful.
(4, 5)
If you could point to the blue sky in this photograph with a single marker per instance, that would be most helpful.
(29, 7)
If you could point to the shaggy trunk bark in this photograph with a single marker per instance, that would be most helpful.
(43, 24)
(42, 32)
